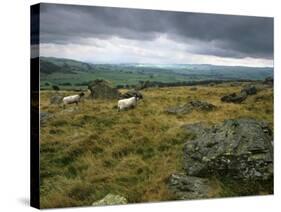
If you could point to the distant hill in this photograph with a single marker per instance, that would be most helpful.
(73, 73)
(49, 65)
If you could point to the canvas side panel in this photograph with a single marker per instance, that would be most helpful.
(34, 109)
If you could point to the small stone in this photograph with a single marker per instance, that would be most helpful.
(190, 106)
(111, 199)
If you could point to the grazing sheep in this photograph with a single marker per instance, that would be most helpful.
(72, 99)
(127, 103)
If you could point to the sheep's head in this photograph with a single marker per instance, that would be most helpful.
(81, 94)
(136, 97)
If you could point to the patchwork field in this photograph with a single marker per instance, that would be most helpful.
(90, 150)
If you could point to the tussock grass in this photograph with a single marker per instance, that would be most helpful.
(92, 150)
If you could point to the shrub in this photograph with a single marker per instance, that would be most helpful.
(56, 88)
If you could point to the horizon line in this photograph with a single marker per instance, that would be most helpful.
(124, 63)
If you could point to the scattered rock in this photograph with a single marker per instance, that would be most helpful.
(190, 106)
(249, 90)
(111, 199)
(240, 97)
(238, 149)
(189, 187)
(44, 116)
(234, 98)
(101, 89)
(56, 99)
(132, 93)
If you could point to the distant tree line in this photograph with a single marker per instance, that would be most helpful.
(148, 84)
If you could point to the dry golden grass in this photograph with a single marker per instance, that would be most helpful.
(92, 150)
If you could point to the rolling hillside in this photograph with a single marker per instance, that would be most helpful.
(72, 73)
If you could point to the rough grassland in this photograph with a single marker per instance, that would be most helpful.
(92, 150)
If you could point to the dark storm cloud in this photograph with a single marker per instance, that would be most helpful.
(219, 35)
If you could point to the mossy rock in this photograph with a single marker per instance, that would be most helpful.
(101, 89)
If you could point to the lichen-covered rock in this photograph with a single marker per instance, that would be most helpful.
(190, 106)
(249, 90)
(56, 99)
(44, 116)
(101, 89)
(189, 187)
(234, 98)
(132, 93)
(237, 149)
(195, 128)
(111, 199)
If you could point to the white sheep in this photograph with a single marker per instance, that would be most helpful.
(72, 99)
(127, 103)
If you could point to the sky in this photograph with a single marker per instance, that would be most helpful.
(120, 35)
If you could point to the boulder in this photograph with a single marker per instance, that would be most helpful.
(111, 199)
(234, 98)
(190, 106)
(239, 149)
(56, 99)
(189, 187)
(132, 93)
(101, 89)
(249, 90)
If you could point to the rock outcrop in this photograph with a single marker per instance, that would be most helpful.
(132, 93)
(101, 89)
(249, 90)
(240, 97)
(56, 99)
(190, 106)
(111, 199)
(238, 152)
(44, 117)
(238, 149)
(234, 98)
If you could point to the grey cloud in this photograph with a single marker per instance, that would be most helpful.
(218, 35)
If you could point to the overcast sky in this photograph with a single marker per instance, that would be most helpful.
(116, 35)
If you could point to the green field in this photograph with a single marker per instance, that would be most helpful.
(71, 74)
